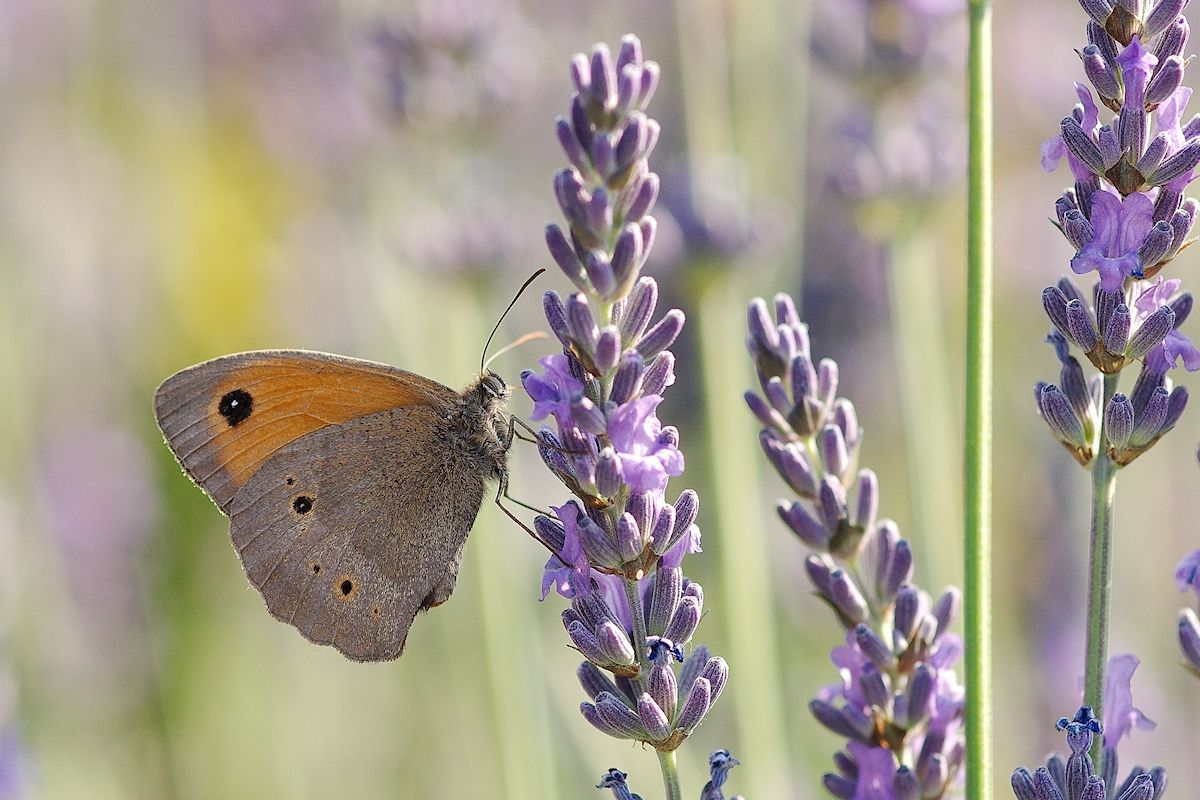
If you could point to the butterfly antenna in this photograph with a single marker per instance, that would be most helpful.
(529, 337)
(524, 286)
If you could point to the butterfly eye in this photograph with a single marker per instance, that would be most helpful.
(494, 385)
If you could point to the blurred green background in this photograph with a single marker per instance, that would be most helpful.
(186, 179)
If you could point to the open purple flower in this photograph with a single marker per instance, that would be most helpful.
(554, 391)
(1055, 148)
(648, 454)
(567, 572)
(876, 772)
(1119, 228)
(1120, 716)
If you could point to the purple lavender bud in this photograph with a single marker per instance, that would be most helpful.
(1152, 331)
(564, 256)
(846, 418)
(1189, 637)
(1060, 416)
(934, 774)
(629, 538)
(662, 335)
(643, 200)
(1166, 204)
(790, 462)
(887, 534)
(819, 569)
(1156, 244)
(1065, 203)
(664, 689)
(832, 447)
(608, 349)
(581, 323)
(653, 719)
(587, 643)
(599, 548)
(694, 665)
(810, 530)
(659, 375)
(685, 620)
(594, 680)
(602, 87)
(1055, 304)
(1077, 229)
(600, 273)
(556, 316)
(660, 534)
(839, 787)
(1118, 421)
(1097, 9)
(1181, 161)
(619, 716)
(1156, 151)
(1093, 789)
(907, 610)
(905, 786)
(649, 226)
(1100, 73)
(1082, 146)
(1182, 306)
(945, 610)
(580, 73)
(900, 571)
(1142, 788)
(627, 258)
(638, 310)
(920, 695)
(615, 644)
(550, 532)
(1166, 79)
(762, 330)
(716, 672)
(1171, 43)
(1151, 420)
(1045, 786)
(803, 377)
(1162, 15)
(592, 715)
(777, 396)
(1147, 381)
(874, 648)
(868, 500)
(696, 706)
(875, 687)
(1116, 332)
(628, 79)
(668, 588)
(831, 502)
(827, 381)
(571, 197)
(628, 378)
(571, 146)
(1176, 403)
(847, 598)
(1074, 385)
(1079, 322)
(832, 718)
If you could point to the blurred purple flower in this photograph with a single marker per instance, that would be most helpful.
(1120, 716)
(1187, 574)
(876, 772)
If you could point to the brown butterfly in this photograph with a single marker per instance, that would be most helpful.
(350, 486)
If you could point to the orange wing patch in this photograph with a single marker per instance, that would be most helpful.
(224, 418)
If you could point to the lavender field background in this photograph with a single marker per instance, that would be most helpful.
(185, 180)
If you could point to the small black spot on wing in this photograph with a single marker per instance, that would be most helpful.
(302, 504)
(235, 406)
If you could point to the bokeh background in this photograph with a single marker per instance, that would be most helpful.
(181, 180)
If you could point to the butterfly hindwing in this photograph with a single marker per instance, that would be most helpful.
(347, 539)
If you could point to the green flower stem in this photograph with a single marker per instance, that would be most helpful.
(670, 773)
(1104, 484)
(977, 472)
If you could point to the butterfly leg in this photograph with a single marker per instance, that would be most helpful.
(503, 493)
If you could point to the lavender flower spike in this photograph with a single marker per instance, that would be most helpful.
(1187, 576)
(898, 700)
(619, 544)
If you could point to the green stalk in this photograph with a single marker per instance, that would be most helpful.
(977, 500)
(1104, 484)
(670, 773)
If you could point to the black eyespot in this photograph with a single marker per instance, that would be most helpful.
(316, 568)
(235, 406)
(347, 587)
(291, 481)
(302, 504)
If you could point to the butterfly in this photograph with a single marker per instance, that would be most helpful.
(350, 486)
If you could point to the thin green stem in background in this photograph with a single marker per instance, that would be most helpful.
(977, 473)
(670, 773)
(1104, 484)
(927, 402)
